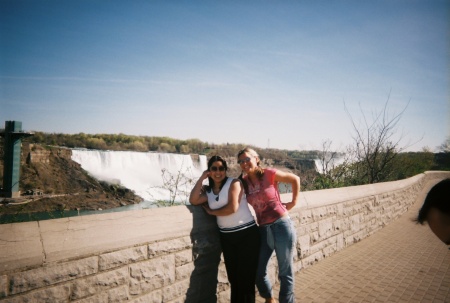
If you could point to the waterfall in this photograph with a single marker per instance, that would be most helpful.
(332, 163)
(146, 173)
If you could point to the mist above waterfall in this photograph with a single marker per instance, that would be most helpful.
(144, 172)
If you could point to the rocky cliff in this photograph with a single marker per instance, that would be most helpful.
(50, 181)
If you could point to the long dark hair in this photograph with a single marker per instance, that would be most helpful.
(259, 169)
(437, 197)
(210, 163)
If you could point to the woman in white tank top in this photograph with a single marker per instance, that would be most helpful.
(224, 198)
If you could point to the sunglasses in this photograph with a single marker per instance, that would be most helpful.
(245, 160)
(217, 168)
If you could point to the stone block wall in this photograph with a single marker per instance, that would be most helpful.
(173, 254)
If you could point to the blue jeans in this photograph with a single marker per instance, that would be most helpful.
(278, 236)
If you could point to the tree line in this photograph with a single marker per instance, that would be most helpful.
(119, 142)
(379, 163)
(123, 142)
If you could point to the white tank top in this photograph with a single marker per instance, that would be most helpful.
(241, 219)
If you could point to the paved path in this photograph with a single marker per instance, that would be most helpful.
(403, 262)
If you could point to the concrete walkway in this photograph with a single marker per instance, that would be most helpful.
(403, 262)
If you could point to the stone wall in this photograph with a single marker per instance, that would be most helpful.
(173, 254)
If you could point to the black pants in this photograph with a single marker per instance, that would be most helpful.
(240, 252)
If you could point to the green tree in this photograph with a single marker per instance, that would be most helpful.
(166, 148)
(442, 158)
(96, 143)
(412, 163)
(184, 149)
(138, 146)
(445, 147)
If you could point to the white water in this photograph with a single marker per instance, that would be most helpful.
(143, 172)
(333, 163)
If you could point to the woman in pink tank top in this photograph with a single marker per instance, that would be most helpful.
(276, 228)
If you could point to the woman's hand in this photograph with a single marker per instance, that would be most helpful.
(289, 205)
(204, 175)
(207, 208)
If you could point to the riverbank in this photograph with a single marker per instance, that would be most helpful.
(48, 203)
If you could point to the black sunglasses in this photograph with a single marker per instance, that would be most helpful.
(215, 168)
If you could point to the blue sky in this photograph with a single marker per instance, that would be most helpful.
(266, 73)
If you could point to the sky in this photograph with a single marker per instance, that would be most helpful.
(273, 74)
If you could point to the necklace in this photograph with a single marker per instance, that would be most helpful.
(253, 181)
(218, 189)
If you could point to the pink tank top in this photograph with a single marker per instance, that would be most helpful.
(264, 197)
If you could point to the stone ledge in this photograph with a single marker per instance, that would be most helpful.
(33, 244)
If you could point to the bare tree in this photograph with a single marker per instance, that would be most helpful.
(376, 145)
(179, 185)
(445, 147)
(176, 185)
(327, 157)
(332, 168)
